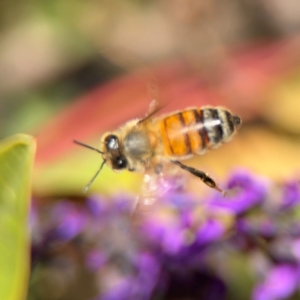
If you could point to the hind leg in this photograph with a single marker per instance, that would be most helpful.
(203, 176)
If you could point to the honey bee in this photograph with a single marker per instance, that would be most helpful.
(143, 144)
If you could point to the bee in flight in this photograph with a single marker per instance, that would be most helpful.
(147, 143)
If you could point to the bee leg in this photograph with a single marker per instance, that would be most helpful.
(158, 169)
(203, 176)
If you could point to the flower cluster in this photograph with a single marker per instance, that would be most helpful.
(245, 245)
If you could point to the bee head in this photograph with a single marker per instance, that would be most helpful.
(113, 152)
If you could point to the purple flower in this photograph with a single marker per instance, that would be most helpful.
(181, 246)
(137, 283)
(290, 195)
(210, 231)
(245, 192)
(96, 206)
(167, 234)
(70, 221)
(95, 259)
(257, 228)
(280, 283)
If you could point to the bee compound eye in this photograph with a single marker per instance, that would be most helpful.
(112, 142)
(120, 163)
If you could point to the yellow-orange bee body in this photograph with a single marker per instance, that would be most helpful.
(196, 130)
(142, 144)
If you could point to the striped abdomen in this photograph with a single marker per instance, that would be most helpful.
(196, 130)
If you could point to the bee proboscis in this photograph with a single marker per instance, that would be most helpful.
(147, 143)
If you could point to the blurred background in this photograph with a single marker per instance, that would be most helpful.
(75, 69)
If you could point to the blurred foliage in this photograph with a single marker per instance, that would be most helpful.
(245, 84)
(283, 109)
(57, 57)
(16, 161)
(69, 176)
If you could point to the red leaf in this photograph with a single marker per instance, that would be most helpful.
(238, 84)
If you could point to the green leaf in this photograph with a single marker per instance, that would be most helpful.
(16, 160)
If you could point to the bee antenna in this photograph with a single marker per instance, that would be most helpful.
(94, 177)
(87, 146)
(104, 161)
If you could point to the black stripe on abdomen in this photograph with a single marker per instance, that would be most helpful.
(216, 129)
(184, 132)
(201, 131)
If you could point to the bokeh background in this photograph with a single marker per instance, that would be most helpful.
(75, 69)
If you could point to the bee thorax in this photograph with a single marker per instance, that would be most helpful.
(136, 144)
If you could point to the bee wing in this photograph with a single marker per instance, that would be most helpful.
(153, 109)
(152, 190)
